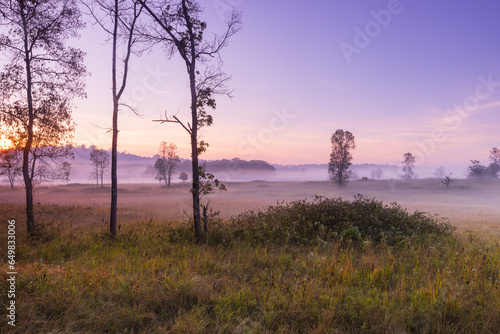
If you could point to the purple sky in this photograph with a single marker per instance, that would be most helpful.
(394, 73)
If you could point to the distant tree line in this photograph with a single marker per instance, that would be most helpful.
(235, 163)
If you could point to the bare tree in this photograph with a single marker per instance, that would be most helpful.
(11, 164)
(42, 75)
(120, 19)
(341, 157)
(408, 165)
(447, 180)
(178, 26)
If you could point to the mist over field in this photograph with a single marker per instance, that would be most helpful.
(140, 169)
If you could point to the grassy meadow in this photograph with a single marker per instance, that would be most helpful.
(323, 265)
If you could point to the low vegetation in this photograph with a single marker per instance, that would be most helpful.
(320, 266)
(325, 220)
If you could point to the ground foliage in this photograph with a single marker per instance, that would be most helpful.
(156, 278)
(323, 220)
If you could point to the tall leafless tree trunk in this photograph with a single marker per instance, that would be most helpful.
(124, 15)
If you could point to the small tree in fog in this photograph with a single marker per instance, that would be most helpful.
(377, 173)
(183, 176)
(65, 171)
(166, 163)
(408, 164)
(341, 157)
(440, 172)
(100, 163)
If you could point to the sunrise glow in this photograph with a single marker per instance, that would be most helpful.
(5, 143)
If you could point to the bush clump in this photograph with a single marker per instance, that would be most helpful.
(327, 219)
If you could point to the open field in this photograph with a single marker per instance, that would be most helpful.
(469, 204)
(248, 278)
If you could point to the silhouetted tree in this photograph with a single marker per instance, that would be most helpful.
(41, 74)
(408, 164)
(447, 180)
(118, 18)
(476, 170)
(341, 157)
(183, 176)
(11, 164)
(178, 26)
(161, 170)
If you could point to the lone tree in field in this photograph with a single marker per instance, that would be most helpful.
(408, 164)
(178, 26)
(119, 19)
(341, 157)
(100, 163)
(41, 75)
(183, 176)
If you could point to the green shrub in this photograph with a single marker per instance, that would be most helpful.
(323, 220)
